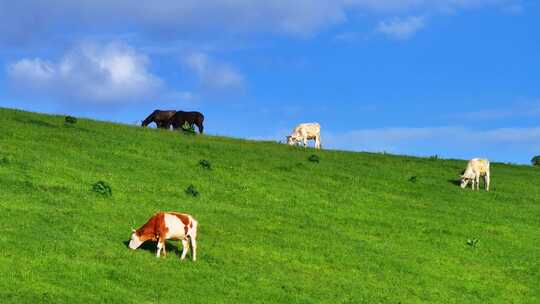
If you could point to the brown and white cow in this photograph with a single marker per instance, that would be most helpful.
(306, 131)
(475, 168)
(168, 225)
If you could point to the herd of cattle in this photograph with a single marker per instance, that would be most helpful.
(175, 119)
(165, 119)
(180, 226)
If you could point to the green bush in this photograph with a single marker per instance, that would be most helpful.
(190, 190)
(70, 120)
(188, 129)
(205, 164)
(102, 188)
(472, 242)
(314, 158)
(5, 160)
(536, 160)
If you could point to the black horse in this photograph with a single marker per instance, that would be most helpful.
(161, 118)
(192, 118)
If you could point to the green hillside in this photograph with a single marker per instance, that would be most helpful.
(273, 226)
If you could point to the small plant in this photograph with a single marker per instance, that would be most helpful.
(70, 120)
(188, 128)
(535, 161)
(205, 164)
(4, 160)
(314, 158)
(413, 179)
(190, 190)
(102, 188)
(472, 242)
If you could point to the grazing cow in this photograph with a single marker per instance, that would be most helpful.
(181, 117)
(475, 168)
(161, 118)
(306, 131)
(168, 225)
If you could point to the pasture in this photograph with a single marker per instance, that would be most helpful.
(274, 227)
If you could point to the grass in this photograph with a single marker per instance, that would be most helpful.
(274, 227)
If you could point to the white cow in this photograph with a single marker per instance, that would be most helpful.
(475, 168)
(306, 131)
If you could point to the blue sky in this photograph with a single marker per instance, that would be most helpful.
(457, 78)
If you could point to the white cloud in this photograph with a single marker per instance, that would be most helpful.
(28, 19)
(37, 71)
(453, 141)
(514, 8)
(215, 75)
(401, 28)
(112, 73)
(521, 109)
(347, 37)
(435, 6)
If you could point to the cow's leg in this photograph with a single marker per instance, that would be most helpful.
(318, 142)
(193, 248)
(486, 181)
(185, 247)
(178, 124)
(160, 247)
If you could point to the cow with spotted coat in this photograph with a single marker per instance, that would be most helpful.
(164, 226)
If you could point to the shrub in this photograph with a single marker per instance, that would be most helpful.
(205, 164)
(190, 190)
(536, 160)
(314, 158)
(413, 179)
(70, 120)
(188, 128)
(102, 188)
(4, 160)
(472, 242)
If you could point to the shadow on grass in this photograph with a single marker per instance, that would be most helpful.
(151, 247)
(455, 182)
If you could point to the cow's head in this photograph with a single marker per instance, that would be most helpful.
(292, 140)
(465, 179)
(135, 241)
